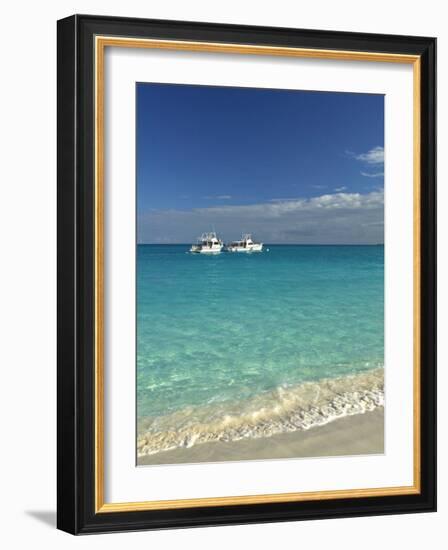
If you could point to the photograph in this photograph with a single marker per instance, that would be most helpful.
(259, 273)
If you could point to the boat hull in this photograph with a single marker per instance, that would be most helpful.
(206, 250)
(255, 248)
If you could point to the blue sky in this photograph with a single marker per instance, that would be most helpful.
(288, 166)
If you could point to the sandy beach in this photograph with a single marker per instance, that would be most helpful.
(352, 435)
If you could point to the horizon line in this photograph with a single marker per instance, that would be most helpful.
(275, 244)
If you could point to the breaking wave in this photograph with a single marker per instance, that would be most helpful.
(285, 409)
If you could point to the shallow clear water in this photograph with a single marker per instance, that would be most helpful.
(228, 329)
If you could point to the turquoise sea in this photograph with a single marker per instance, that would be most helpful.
(247, 345)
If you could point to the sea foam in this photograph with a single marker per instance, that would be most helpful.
(285, 409)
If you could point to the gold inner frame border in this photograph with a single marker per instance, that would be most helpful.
(100, 44)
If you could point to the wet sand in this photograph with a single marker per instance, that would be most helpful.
(352, 435)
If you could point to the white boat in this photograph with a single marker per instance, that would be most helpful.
(208, 243)
(246, 244)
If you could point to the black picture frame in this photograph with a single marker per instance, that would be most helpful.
(76, 511)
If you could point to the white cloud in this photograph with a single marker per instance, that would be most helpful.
(330, 218)
(374, 156)
(339, 189)
(372, 175)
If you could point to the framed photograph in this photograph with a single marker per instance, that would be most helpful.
(246, 274)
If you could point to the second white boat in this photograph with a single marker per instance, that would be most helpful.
(246, 244)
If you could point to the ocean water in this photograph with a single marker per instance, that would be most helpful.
(247, 345)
